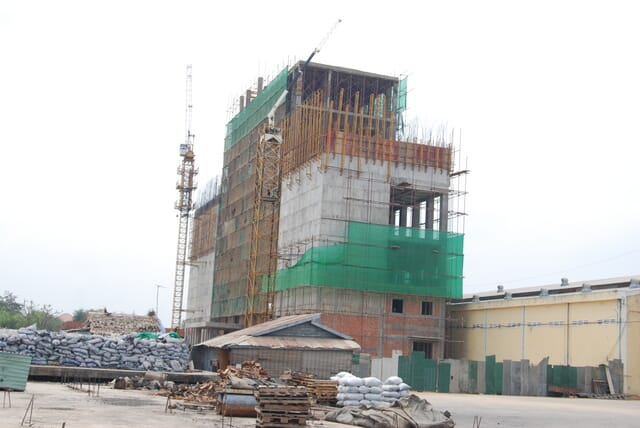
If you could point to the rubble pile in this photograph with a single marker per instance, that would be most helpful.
(109, 323)
(82, 350)
(248, 369)
(369, 391)
(250, 375)
(202, 392)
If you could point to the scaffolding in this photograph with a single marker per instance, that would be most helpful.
(341, 122)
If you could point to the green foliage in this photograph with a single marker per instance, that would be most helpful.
(16, 315)
(8, 303)
(80, 315)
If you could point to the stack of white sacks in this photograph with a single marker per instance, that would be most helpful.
(369, 391)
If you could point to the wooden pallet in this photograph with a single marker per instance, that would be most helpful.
(279, 407)
(321, 391)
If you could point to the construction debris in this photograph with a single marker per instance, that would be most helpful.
(407, 412)
(248, 369)
(320, 391)
(84, 350)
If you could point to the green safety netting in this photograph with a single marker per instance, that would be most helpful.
(386, 259)
(402, 95)
(150, 335)
(257, 110)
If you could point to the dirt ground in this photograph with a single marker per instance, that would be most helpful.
(55, 404)
(529, 412)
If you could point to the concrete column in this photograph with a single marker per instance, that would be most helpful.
(260, 84)
(415, 215)
(428, 220)
(403, 216)
(444, 212)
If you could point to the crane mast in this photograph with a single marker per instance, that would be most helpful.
(263, 250)
(184, 205)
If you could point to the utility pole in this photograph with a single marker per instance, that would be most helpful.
(158, 287)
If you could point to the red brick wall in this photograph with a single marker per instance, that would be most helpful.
(392, 331)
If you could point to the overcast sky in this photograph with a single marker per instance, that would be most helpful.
(92, 102)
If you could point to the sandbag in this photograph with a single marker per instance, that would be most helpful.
(393, 380)
(372, 381)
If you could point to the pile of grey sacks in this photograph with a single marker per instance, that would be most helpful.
(85, 350)
(369, 391)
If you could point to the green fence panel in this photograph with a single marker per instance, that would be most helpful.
(490, 374)
(444, 377)
(498, 381)
(430, 375)
(418, 371)
(572, 377)
(404, 369)
(563, 376)
(14, 371)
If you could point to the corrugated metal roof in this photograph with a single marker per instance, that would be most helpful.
(258, 336)
(298, 343)
(14, 371)
(557, 288)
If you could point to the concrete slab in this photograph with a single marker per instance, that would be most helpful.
(61, 373)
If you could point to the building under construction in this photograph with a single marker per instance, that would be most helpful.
(351, 216)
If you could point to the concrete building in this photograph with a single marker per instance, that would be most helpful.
(574, 324)
(202, 263)
(363, 228)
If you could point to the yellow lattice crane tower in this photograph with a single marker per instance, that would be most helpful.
(186, 185)
(263, 250)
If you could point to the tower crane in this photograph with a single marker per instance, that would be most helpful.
(266, 209)
(184, 205)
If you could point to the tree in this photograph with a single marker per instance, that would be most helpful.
(80, 315)
(44, 317)
(15, 315)
(9, 304)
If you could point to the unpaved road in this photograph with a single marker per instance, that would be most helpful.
(55, 404)
(509, 411)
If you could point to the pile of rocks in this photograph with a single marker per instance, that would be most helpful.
(84, 350)
(109, 323)
(369, 391)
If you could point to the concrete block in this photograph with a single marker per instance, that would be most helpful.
(506, 377)
(456, 375)
(516, 380)
(524, 378)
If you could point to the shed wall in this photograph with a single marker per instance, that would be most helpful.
(275, 361)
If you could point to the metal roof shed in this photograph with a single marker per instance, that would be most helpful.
(14, 371)
(296, 342)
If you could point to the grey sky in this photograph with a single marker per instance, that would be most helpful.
(92, 112)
